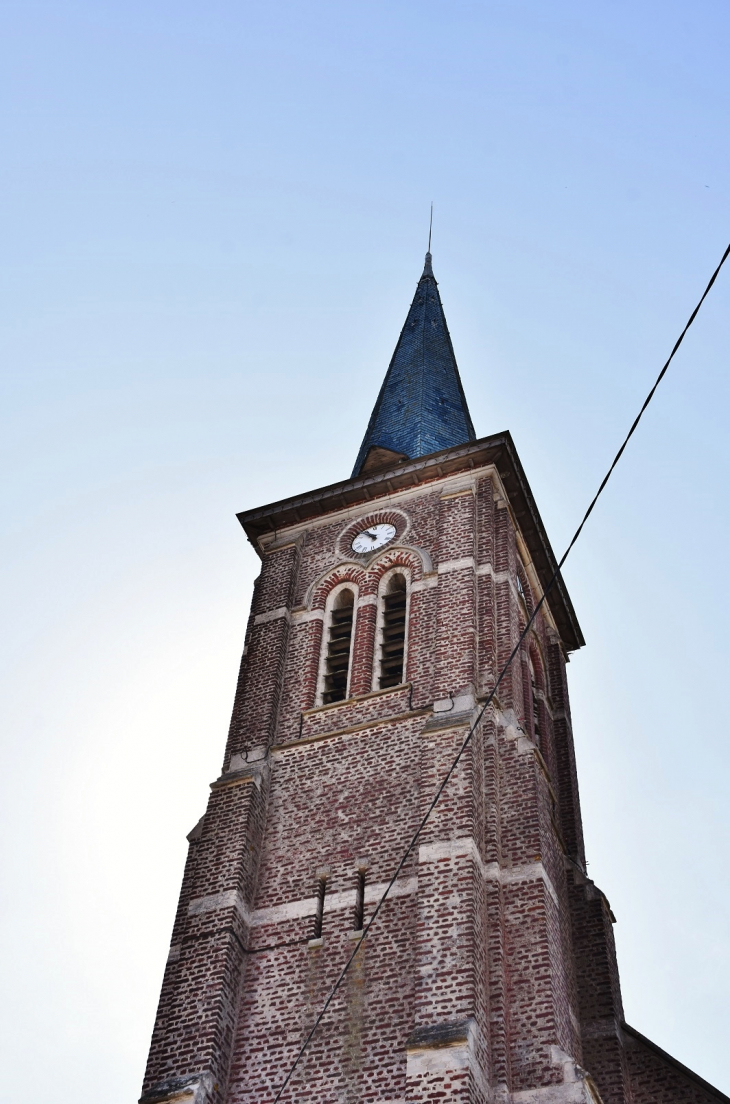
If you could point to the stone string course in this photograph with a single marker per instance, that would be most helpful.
(491, 973)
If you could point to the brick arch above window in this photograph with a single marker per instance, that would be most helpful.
(367, 579)
(388, 516)
(343, 573)
(389, 559)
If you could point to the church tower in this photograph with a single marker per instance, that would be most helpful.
(385, 608)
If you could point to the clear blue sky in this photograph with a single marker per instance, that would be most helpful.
(213, 219)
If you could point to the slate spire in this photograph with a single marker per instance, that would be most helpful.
(421, 407)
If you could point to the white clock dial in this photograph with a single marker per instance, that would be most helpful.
(374, 537)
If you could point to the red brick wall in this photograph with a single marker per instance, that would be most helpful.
(491, 969)
(656, 1078)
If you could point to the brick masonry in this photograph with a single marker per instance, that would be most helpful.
(490, 973)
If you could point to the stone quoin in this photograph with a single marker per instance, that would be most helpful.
(490, 973)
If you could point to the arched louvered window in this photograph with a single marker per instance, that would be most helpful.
(536, 726)
(339, 647)
(523, 590)
(393, 631)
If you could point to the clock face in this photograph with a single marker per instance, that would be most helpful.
(374, 537)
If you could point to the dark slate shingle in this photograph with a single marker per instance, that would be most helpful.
(421, 407)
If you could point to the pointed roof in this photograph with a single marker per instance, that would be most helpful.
(421, 407)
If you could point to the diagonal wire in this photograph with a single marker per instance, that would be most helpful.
(467, 739)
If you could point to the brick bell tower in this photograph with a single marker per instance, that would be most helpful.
(385, 607)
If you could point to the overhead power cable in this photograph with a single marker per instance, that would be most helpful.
(490, 697)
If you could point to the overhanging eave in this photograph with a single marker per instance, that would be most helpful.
(497, 450)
